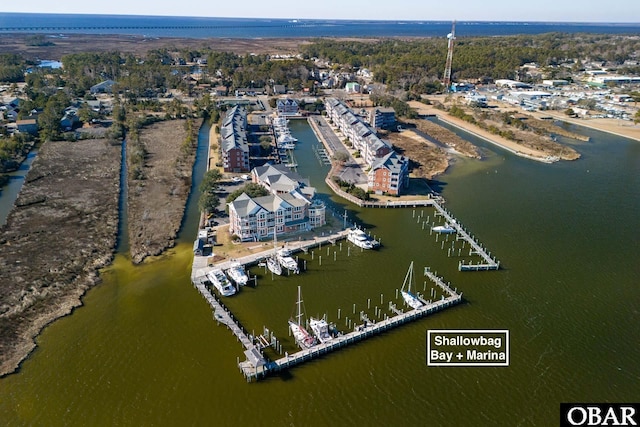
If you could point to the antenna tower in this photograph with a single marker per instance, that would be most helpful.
(447, 68)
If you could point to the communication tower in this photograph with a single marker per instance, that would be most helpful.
(447, 68)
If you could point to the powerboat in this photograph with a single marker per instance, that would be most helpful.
(320, 329)
(220, 282)
(303, 338)
(361, 240)
(409, 298)
(444, 229)
(237, 274)
(287, 261)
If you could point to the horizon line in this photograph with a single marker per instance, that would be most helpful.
(299, 19)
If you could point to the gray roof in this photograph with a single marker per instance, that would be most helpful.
(280, 175)
(233, 133)
(245, 205)
(392, 161)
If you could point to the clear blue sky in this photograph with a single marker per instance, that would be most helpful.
(461, 10)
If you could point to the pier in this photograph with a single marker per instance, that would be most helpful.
(200, 266)
(359, 333)
(489, 263)
(224, 316)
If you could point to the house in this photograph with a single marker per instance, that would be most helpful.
(279, 89)
(389, 174)
(260, 217)
(352, 87)
(102, 87)
(219, 91)
(27, 126)
(233, 141)
(70, 119)
(287, 107)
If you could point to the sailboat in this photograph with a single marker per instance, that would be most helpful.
(272, 262)
(303, 338)
(274, 266)
(409, 298)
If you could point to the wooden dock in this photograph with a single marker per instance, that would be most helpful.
(489, 263)
(222, 315)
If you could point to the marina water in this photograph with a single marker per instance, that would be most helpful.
(145, 350)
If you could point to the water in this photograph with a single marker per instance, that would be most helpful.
(9, 193)
(144, 348)
(203, 27)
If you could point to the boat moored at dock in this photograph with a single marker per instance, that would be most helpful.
(220, 282)
(320, 329)
(274, 266)
(361, 240)
(409, 298)
(237, 274)
(444, 229)
(303, 338)
(287, 261)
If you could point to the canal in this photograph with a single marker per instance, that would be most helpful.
(144, 349)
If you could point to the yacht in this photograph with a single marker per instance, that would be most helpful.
(287, 261)
(320, 329)
(410, 299)
(220, 282)
(237, 274)
(361, 240)
(303, 338)
(287, 138)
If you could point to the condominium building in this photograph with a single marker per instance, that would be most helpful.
(233, 141)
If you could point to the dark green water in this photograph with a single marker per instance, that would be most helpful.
(144, 349)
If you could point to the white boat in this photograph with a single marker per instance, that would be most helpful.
(237, 274)
(274, 266)
(287, 261)
(361, 240)
(320, 329)
(220, 282)
(286, 138)
(445, 229)
(409, 298)
(303, 338)
(287, 145)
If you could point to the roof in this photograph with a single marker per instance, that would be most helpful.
(245, 205)
(392, 161)
(281, 176)
(232, 132)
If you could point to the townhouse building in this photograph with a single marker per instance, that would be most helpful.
(233, 141)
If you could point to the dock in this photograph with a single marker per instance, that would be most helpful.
(489, 262)
(360, 332)
(222, 315)
(200, 266)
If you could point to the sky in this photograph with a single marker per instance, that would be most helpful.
(624, 11)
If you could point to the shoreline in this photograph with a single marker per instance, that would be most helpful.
(632, 130)
(55, 203)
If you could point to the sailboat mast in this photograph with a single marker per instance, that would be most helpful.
(408, 278)
(299, 314)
